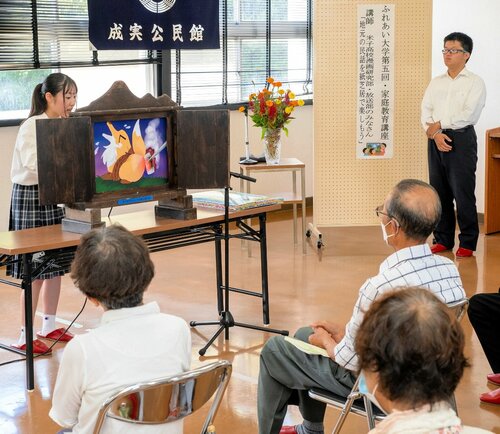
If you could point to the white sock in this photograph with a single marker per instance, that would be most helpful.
(48, 324)
(22, 337)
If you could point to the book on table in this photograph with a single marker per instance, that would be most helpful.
(238, 201)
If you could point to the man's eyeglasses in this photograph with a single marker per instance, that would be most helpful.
(452, 51)
(379, 212)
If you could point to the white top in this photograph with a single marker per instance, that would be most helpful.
(412, 266)
(129, 346)
(441, 419)
(456, 102)
(24, 169)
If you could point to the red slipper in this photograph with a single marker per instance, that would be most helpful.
(494, 378)
(57, 334)
(438, 248)
(462, 252)
(38, 347)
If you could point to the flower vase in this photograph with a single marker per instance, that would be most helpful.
(272, 145)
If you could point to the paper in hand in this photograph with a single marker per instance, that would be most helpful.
(306, 347)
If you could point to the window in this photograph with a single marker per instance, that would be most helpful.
(258, 39)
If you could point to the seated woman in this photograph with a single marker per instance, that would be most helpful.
(134, 342)
(411, 360)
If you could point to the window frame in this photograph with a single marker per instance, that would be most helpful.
(166, 65)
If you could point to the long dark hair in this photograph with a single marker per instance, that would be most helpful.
(54, 83)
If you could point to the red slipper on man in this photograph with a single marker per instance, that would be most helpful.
(57, 334)
(462, 252)
(38, 347)
(438, 248)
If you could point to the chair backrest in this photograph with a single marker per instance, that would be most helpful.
(458, 308)
(168, 399)
(358, 403)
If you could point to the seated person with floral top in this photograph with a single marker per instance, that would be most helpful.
(411, 358)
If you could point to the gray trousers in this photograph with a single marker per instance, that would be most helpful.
(285, 376)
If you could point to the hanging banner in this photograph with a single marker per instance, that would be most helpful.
(153, 24)
(375, 116)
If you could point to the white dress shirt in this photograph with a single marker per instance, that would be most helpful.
(129, 346)
(412, 266)
(24, 170)
(455, 102)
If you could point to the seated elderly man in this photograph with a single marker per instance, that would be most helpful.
(411, 358)
(408, 216)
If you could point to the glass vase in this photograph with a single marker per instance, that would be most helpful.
(272, 145)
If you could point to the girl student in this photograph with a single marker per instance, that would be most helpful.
(54, 98)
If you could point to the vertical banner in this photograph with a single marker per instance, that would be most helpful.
(375, 111)
(154, 24)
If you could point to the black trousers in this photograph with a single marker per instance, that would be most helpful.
(484, 315)
(453, 175)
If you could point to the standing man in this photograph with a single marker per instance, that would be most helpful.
(451, 107)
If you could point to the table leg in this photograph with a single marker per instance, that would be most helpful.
(28, 322)
(294, 206)
(303, 193)
(263, 268)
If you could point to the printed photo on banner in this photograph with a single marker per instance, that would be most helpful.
(375, 108)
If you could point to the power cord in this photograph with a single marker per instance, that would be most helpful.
(53, 343)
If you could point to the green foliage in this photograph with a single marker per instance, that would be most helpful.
(16, 88)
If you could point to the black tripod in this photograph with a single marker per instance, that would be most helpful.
(226, 319)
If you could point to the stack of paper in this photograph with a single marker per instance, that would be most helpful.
(237, 201)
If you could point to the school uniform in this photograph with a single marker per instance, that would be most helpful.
(25, 209)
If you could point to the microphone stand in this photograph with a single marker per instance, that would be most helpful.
(226, 319)
(247, 159)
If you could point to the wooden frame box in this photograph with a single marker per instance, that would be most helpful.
(122, 149)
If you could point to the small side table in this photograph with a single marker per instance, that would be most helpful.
(292, 165)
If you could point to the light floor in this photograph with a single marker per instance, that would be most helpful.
(303, 288)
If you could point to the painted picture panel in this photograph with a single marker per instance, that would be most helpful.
(130, 154)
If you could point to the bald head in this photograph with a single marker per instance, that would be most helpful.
(416, 207)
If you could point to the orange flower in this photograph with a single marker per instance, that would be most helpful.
(241, 109)
(272, 106)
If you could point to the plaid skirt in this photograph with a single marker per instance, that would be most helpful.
(25, 213)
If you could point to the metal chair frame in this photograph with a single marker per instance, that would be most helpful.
(358, 403)
(187, 392)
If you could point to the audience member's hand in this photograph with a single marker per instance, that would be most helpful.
(334, 329)
(321, 338)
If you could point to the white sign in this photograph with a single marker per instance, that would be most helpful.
(375, 111)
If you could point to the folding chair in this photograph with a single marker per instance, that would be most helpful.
(355, 402)
(169, 399)
(359, 404)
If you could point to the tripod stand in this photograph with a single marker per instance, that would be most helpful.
(226, 319)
